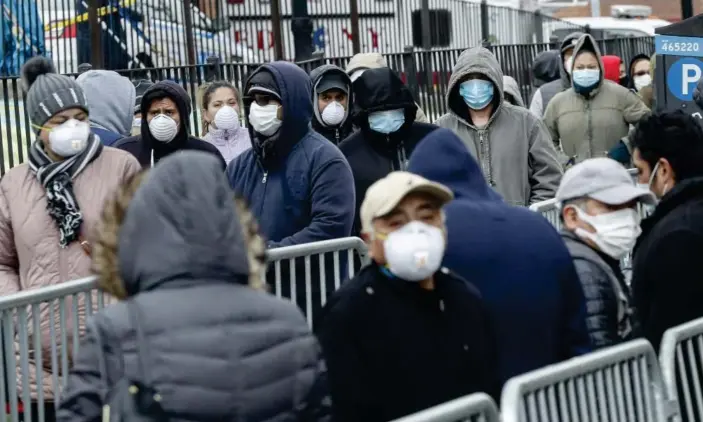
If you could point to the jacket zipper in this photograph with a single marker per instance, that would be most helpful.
(336, 135)
(590, 129)
(402, 158)
(388, 142)
(485, 157)
(263, 181)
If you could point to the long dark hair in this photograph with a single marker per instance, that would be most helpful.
(206, 96)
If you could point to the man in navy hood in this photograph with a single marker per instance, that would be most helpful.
(297, 183)
(513, 256)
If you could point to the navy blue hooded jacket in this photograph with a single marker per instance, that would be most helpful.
(513, 256)
(307, 194)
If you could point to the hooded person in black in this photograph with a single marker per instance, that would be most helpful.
(166, 109)
(384, 111)
(332, 97)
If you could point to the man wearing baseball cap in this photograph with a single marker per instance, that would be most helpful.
(331, 97)
(404, 327)
(598, 200)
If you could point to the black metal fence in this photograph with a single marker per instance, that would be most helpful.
(426, 73)
(125, 34)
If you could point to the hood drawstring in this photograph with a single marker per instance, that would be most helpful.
(402, 157)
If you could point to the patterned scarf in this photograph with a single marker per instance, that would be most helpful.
(57, 179)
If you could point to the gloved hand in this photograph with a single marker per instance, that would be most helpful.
(620, 153)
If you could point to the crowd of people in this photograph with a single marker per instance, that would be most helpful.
(465, 288)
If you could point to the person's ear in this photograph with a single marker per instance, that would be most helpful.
(570, 217)
(666, 172)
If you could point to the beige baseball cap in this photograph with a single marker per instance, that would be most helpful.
(385, 194)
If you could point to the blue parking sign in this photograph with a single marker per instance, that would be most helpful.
(682, 77)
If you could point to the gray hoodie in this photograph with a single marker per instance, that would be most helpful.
(515, 150)
(511, 88)
(110, 100)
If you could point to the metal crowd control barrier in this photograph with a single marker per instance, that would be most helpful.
(40, 350)
(681, 360)
(478, 407)
(619, 383)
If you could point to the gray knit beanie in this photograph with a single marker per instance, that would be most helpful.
(48, 92)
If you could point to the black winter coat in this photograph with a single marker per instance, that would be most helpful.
(393, 348)
(141, 146)
(373, 155)
(606, 294)
(213, 347)
(667, 273)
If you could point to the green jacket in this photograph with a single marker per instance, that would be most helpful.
(586, 126)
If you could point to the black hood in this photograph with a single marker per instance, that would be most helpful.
(344, 128)
(568, 41)
(182, 227)
(630, 76)
(172, 90)
(381, 90)
(546, 67)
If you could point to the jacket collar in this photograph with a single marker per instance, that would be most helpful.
(684, 191)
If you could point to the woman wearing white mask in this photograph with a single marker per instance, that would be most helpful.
(423, 325)
(599, 212)
(221, 121)
(591, 118)
(166, 109)
(331, 97)
(49, 206)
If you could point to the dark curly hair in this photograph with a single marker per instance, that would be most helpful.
(676, 136)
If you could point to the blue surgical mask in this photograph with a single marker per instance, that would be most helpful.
(477, 93)
(586, 78)
(388, 121)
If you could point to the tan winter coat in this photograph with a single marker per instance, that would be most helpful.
(30, 255)
(590, 126)
(377, 61)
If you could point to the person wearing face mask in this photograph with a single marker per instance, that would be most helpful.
(362, 62)
(500, 249)
(546, 92)
(221, 121)
(639, 72)
(111, 98)
(601, 225)
(331, 100)
(298, 185)
(667, 264)
(384, 112)
(405, 333)
(646, 91)
(593, 116)
(165, 109)
(50, 204)
(510, 143)
(611, 68)
(140, 86)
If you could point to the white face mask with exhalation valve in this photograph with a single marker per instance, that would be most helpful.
(415, 251)
(69, 138)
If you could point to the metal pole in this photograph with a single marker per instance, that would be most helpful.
(356, 36)
(595, 8)
(686, 9)
(485, 30)
(96, 56)
(190, 38)
(301, 26)
(426, 31)
(276, 24)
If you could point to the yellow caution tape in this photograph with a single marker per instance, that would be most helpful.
(83, 17)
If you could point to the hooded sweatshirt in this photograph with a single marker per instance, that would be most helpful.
(513, 90)
(630, 69)
(365, 61)
(588, 125)
(546, 67)
(611, 68)
(303, 190)
(514, 149)
(111, 99)
(372, 155)
(513, 256)
(149, 150)
(337, 133)
(547, 91)
(186, 277)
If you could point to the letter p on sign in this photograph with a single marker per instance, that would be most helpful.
(691, 74)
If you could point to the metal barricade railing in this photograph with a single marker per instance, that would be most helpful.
(41, 328)
(681, 360)
(40, 333)
(322, 271)
(477, 407)
(619, 383)
(549, 210)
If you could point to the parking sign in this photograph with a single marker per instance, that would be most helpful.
(683, 76)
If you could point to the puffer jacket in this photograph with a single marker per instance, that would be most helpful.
(212, 346)
(514, 149)
(30, 255)
(590, 125)
(363, 61)
(609, 316)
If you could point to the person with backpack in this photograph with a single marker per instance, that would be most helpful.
(195, 336)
